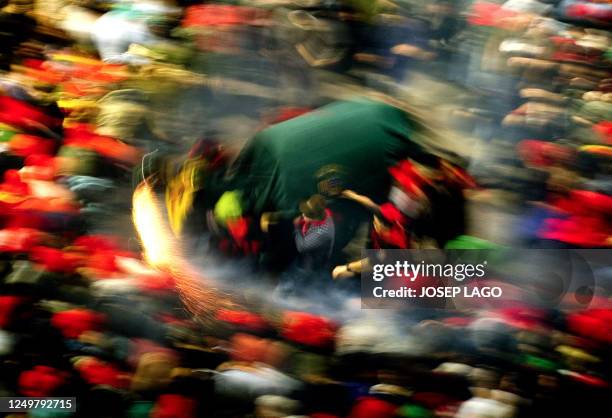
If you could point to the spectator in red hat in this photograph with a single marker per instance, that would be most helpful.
(25, 145)
(8, 305)
(72, 323)
(97, 372)
(242, 320)
(308, 329)
(41, 381)
(13, 184)
(370, 407)
(174, 406)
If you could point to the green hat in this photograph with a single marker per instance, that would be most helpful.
(228, 207)
(414, 411)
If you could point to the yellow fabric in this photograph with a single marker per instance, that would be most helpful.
(8, 127)
(597, 149)
(76, 59)
(75, 103)
(180, 194)
(11, 198)
(577, 353)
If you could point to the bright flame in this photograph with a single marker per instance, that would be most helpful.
(162, 251)
(160, 247)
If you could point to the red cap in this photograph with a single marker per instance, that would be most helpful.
(577, 10)
(13, 184)
(308, 329)
(599, 202)
(97, 242)
(174, 406)
(40, 167)
(83, 137)
(73, 322)
(218, 15)
(489, 14)
(21, 114)
(604, 130)
(582, 231)
(39, 160)
(370, 407)
(55, 260)
(41, 381)
(8, 304)
(406, 175)
(25, 145)
(97, 372)
(595, 323)
(19, 240)
(542, 153)
(243, 319)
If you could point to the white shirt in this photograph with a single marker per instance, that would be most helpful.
(114, 32)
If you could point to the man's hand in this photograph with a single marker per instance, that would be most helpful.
(264, 222)
(341, 272)
(349, 194)
(362, 200)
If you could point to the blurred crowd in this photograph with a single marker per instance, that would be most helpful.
(97, 97)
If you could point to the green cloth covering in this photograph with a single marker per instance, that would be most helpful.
(277, 168)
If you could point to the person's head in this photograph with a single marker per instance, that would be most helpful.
(330, 180)
(313, 208)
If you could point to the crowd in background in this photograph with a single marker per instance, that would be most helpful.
(96, 96)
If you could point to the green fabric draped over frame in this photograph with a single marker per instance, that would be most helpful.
(278, 167)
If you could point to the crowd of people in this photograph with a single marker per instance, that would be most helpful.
(99, 97)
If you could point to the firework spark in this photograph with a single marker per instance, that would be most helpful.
(162, 251)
